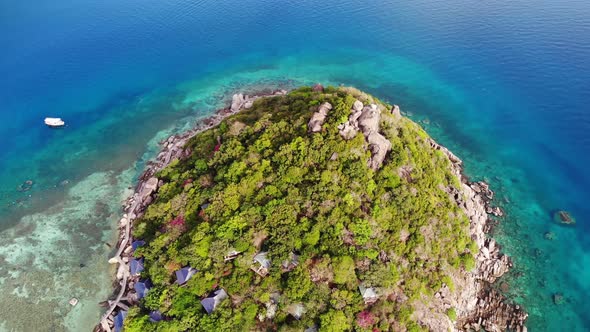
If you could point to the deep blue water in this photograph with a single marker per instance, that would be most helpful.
(504, 84)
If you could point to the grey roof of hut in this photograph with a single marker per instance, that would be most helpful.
(137, 243)
(369, 294)
(262, 259)
(292, 262)
(155, 316)
(296, 310)
(136, 266)
(211, 302)
(119, 318)
(142, 287)
(231, 255)
(263, 264)
(312, 328)
(183, 275)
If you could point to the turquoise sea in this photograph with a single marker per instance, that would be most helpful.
(504, 84)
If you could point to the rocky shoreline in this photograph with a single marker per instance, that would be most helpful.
(124, 294)
(478, 305)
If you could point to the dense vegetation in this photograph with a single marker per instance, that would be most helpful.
(273, 187)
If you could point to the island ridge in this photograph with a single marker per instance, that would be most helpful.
(321, 209)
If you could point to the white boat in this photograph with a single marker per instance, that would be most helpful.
(54, 122)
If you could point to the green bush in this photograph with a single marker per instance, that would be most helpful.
(452, 313)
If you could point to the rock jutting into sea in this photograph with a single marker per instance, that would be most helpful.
(564, 218)
(466, 301)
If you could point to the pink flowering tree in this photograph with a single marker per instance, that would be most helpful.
(177, 222)
(176, 226)
(365, 319)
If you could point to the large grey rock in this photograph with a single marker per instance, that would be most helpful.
(348, 131)
(318, 118)
(396, 112)
(325, 108)
(354, 117)
(357, 106)
(368, 121)
(148, 188)
(237, 101)
(379, 146)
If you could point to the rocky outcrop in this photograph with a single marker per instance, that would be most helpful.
(366, 119)
(240, 101)
(379, 146)
(350, 128)
(558, 299)
(357, 106)
(478, 304)
(148, 188)
(318, 88)
(457, 164)
(396, 112)
(25, 186)
(480, 188)
(483, 189)
(318, 118)
(237, 102)
(564, 217)
(368, 122)
(492, 313)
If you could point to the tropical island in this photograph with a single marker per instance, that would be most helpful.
(321, 209)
